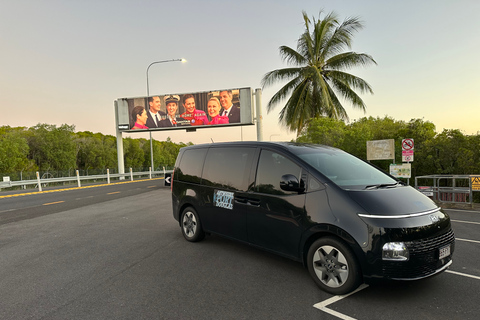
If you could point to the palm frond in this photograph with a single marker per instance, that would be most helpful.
(318, 82)
(349, 95)
(341, 37)
(283, 93)
(348, 60)
(353, 82)
(279, 75)
(291, 56)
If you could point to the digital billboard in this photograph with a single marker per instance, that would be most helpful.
(217, 108)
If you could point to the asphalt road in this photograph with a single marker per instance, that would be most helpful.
(115, 252)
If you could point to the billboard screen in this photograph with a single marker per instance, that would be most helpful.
(226, 107)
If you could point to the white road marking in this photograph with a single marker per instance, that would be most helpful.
(463, 274)
(323, 305)
(474, 241)
(458, 210)
(465, 221)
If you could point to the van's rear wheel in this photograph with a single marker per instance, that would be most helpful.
(191, 226)
(333, 266)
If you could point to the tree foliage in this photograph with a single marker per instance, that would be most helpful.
(52, 148)
(47, 147)
(96, 150)
(448, 152)
(317, 81)
(14, 150)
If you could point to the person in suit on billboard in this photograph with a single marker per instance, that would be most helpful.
(229, 109)
(195, 116)
(172, 119)
(154, 114)
(214, 110)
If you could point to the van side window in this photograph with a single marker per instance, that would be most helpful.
(271, 167)
(191, 164)
(228, 168)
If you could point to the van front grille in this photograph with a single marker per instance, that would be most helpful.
(424, 258)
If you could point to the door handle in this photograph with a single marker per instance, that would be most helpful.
(241, 200)
(254, 202)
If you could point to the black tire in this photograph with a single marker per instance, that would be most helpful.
(191, 226)
(333, 266)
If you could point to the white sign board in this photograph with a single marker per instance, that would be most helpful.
(401, 170)
(381, 149)
(6, 179)
(407, 155)
(428, 191)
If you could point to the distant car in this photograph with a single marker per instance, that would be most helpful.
(343, 218)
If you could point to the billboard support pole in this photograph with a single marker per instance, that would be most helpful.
(259, 117)
(121, 166)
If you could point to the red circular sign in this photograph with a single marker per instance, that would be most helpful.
(407, 144)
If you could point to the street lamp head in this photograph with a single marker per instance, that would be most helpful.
(183, 60)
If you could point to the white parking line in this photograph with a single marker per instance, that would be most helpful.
(470, 211)
(474, 241)
(463, 274)
(465, 221)
(323, 305)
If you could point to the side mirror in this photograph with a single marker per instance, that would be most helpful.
(289, 182)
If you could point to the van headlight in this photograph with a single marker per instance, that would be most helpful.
(395, 251)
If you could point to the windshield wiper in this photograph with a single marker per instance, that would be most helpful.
(384, 185)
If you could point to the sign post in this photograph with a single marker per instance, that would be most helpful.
(407, 150)
(407, 155)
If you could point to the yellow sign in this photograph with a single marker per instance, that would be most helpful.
(475, 183)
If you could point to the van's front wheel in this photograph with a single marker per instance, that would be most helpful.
(191, 226)
(333, 266)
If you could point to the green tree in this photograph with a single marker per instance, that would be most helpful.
(326, 131)
(13, 150)
(133, 150)
(170, 151)
(449, 152)
(353, 138)
(96, 151)
(52, 148)
(471, 160)
(317, 81)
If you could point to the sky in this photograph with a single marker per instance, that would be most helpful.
(66, 62)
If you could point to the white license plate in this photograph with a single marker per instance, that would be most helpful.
(444, 252)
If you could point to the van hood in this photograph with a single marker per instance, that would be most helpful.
(392, 201)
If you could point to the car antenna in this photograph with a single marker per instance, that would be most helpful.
(212, 140)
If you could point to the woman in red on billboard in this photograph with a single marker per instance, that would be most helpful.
(196, 117)
(139, 115)
(213, 111)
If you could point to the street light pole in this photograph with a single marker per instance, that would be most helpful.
(148, 96)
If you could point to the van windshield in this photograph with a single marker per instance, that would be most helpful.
(345, 170)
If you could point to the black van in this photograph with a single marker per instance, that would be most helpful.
(344, 219)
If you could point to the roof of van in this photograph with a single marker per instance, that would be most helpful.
(284, 145)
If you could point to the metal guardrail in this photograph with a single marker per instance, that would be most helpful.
(78, 178)
(445, 188)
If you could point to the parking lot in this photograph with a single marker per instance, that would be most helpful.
(445, 296)
(114, 253)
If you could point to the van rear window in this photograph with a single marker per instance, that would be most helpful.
(191, 164)
(228, 168)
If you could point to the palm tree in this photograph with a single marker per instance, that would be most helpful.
(317, 80)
